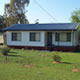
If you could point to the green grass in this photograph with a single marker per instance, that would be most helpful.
(43, 68)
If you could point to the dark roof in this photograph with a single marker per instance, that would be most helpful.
(43, 27)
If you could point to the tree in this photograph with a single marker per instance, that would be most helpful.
(5, 50)
(37, 21)
(76, 16)
(2, 22)
(15, 12)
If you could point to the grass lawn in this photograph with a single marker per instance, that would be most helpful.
(43, 68)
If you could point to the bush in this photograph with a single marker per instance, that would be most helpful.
(5, 50)
(56, 58)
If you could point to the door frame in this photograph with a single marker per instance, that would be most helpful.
(49, 39)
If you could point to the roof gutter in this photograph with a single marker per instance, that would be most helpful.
(41, 30)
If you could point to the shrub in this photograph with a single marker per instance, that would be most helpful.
(56, 58)
(5, 50)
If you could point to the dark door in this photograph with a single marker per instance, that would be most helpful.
(49, 38)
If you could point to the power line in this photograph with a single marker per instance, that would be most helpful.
(45, 11)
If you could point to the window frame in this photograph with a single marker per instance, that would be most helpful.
(57, 37)
(15, 35)
(33, 37)
(67, 39)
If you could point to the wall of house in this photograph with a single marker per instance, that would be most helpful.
(25, 40)
(43, 42)
(74, 39)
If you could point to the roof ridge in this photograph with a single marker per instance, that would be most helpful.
(44, 23)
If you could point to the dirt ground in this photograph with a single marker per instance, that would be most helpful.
(1, 38)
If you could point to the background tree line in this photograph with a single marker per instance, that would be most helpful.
(14, 13)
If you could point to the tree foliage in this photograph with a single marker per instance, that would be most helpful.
(15, 12)
(57, 58)
(2, 22)
(76, 16)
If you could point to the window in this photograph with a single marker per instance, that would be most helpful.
(68, 36)
(34, 36)
(16, 36)
(63, 37)
(57, 37)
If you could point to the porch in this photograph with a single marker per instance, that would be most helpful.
(61, 38)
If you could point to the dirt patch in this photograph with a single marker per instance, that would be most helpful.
(43, 55)
(76, 70)
(1, 54)
(55, 62)
(29, 66)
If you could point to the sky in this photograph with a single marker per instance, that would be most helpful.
(61, 10)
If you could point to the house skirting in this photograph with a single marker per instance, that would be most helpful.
(50, 48)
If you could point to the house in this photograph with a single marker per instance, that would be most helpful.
(54, 36)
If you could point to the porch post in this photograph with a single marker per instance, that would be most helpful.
(72, 38)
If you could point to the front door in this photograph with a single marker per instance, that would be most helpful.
(49, 38)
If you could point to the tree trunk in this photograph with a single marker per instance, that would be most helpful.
(6, 58)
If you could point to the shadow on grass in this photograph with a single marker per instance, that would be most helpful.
(13, 52)
(15, 55)
(66, 63)
(1, 44)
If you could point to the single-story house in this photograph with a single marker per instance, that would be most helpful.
(54, 36)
